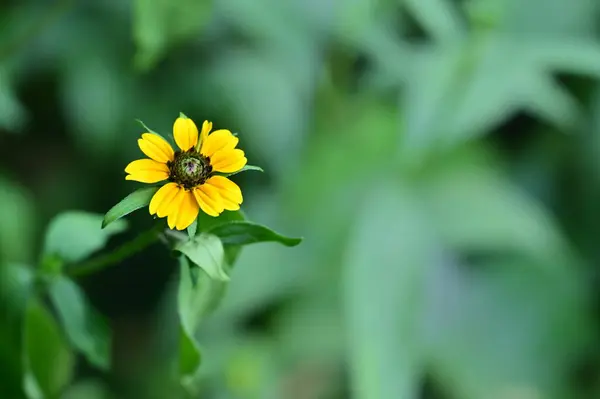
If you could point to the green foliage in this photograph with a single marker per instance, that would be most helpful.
(384, 294)
(244, 233)
(440, 157)
(85, 328)
(48, 358)
(206, 251)
(18, 217)
(75, 235)
(134, 201)
(161, 24)
(245, 168)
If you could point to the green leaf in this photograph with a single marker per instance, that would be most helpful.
(440, 18)
(207, 252)
(18, 216)
(147, 128)
(389, 255)
(48, 359)
(196, 296)
(476, 209)
(182, 115)
(134, 201)
(189, 355)
(244, 233)
(245, 168)
(85, 328)
(75, 235)
(158, 25)
(206, 222)
(13, 114)
(193, 229)
(16, 283)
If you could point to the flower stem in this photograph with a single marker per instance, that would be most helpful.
(124, 251)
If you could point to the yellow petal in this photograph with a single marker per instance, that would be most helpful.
(175, 208)
(164, 195)
(230, 193)
(147, 171)
(164, 208)
(228, 161)
(206, 128)
(188, 211)
(156, 147)
(185, 133)
(218, 140)
(209, 200)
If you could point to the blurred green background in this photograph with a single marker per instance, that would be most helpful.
(441, 159)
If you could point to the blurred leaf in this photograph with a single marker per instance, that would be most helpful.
(189, 355)
(48, 359)
(456, 93)
(85, 328)
(16, 283)
(387, 260)
(75, 235)
(477, 210)
(158, 25)
(440, 18)
(193, 229)
(244, 233)
(88, 389)
(196, 296)
(246, 73)
(12, 114)
(18, 215)
(134, 201)
(245, 168)
(206, 251)
(509, 327)
(562, 19)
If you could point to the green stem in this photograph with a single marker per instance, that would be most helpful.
(124, 251)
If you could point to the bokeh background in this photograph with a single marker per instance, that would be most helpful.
(441, 159)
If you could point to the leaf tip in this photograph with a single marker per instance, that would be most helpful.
(182, 115)
(293, 242)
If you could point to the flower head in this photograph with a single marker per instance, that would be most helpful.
(193, 173)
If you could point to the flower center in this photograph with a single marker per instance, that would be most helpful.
(190, 169)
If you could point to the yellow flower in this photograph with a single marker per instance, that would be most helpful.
(192, 172)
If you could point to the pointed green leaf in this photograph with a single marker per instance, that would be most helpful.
(72, 236)
(193, 229)
(244, 233)
(245, 168)
(85, 328)
(182, 115)
(147, 128)
(134, 201)
(206, 251)
(206, 222)
(48, 359)
(189, 355)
